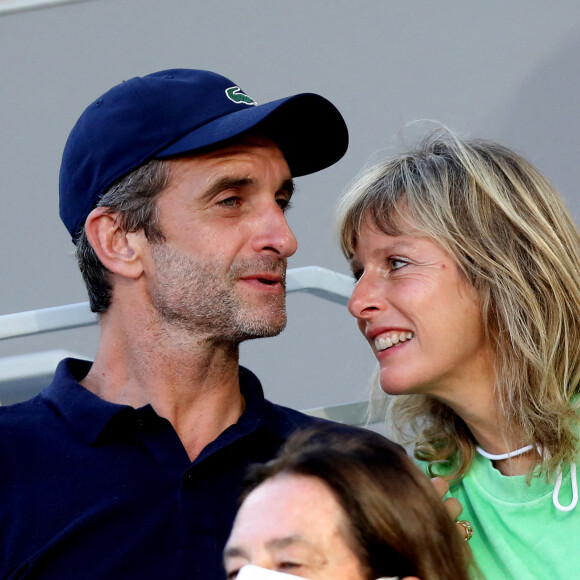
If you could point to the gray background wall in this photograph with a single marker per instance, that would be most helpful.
(501, 69)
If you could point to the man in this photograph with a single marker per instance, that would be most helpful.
(174, 188)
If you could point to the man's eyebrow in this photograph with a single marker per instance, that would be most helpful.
(227, 182)
(223, 183)
(288, 186)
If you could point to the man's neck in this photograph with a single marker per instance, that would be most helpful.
(191, 382)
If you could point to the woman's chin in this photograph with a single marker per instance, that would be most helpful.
(393, 384)
(390, 388)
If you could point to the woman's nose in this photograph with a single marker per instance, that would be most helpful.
(367, 298)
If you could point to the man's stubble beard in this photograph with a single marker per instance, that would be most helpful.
(203, 297)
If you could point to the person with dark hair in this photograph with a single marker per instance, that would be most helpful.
(174, 186)
(467, 268)
(343, 505)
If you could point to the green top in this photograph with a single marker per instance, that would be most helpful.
(518, 533)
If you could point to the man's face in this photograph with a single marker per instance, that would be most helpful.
(220, 273)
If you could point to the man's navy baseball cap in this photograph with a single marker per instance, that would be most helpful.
(181, 111)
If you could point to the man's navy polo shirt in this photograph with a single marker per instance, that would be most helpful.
(90, 489)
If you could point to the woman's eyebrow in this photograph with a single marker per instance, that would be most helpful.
(396, 247)
(235, 552)
(274, 544)
(388, 248)
(285, 541)
(312, 551)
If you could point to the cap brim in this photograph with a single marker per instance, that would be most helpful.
(308, 128)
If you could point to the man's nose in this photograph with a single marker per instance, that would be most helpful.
(274, 234)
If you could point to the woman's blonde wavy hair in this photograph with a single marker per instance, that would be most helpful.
(515, 241)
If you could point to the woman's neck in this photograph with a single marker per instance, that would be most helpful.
(492, 432)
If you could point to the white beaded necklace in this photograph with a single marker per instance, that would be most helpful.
(501, 456)
(556, 493)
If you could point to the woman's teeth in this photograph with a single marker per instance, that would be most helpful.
(385, 342)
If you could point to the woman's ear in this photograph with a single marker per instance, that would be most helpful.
(118, 250)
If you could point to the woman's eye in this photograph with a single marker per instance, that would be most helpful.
(357, 274)
(232, 574)
(398, 263)
(288, 566)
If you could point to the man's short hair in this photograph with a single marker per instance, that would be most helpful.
(134, 201)
(182, 112)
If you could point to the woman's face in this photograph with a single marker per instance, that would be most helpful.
(420, 316)
(292, 524)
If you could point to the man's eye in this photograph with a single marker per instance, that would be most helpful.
(357, 274)
(284, 204)
(230, 201)
(232, 574)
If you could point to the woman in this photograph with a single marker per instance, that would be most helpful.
(468, 290)
(342, 504)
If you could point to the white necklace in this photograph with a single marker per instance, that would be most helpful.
(556, 492)
(501, 456)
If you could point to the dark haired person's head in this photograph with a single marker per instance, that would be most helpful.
(121, 156)
(342, 504)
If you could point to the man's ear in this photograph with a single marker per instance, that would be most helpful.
(118, 250)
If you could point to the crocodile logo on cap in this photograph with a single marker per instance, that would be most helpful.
(236, 95)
